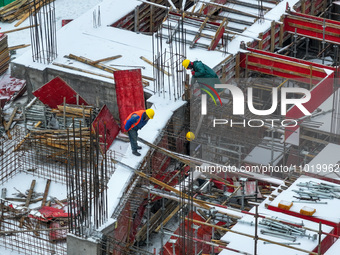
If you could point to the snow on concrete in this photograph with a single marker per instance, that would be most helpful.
(64, 9)
(335, 248)
(326, 163)
(327, 211)
(246, 244)
(262, 154)
(121, 177)
(22, 182)
(246, 225)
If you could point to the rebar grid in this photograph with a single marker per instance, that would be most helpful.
(10, 162)
(23, 238)
(87, 178)
(43, 31)
(82, 166)
(167, 59)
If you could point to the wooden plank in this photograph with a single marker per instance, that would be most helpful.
(237, 66)
(281, 70)
(151, 63)
(287, 62)
(217, 34)
(17, 29)
(197, 36)
(23, 140)
(30, 192)
(9, 123)
(47, 187)
(102, 66)
(168, 218)
(28, 200)
(22, 19)
(281, 35)
(261, 42)
(18, 46)
(82, 70)
(272, 36)
(314, 30)
(106, 59)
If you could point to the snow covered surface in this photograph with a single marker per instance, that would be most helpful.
(246, 244)
(64, 9)
(327, 211)
(328, 157)
(121, 177)
(261, 154)
(335, 248)
(22, 182)
(81, 38)
(323, 119)
(254, 30)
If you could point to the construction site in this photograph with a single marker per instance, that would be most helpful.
(247, 165)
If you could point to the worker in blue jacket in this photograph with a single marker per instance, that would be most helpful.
(135, 121)
(202, 74)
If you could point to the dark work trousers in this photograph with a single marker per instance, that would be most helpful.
(133, 139)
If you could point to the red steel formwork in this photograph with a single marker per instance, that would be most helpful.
(106, 126)
(10, 88)
(54, 92)
(311, 7)
(203, 233)
(129, 91)
(312, 27)
(321, 76)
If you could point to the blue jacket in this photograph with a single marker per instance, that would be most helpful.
(134, 119)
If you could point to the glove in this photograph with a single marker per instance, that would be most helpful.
(193, 72)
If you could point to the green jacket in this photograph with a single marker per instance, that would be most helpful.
(204, 75)
(203, 71)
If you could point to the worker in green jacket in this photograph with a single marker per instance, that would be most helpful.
(202, 74)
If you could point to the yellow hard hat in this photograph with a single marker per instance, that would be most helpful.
(150, 113)
(190, 136)
(186, 63)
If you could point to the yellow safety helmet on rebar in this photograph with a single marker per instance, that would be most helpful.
(190, 136)
(150, 113)
(186, 63)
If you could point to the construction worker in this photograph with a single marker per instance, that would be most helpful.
(135, 121)
(202, 74)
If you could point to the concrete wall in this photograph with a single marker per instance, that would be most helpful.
(78, 246)
(95, 92)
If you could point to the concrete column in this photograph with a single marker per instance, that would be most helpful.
(79, 246)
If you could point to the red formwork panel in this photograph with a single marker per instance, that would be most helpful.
(58, 234)
(296, 60)
(11, 88)
(319, 94)
(203, 233)
(209, 8)
(283, 66)
(65, 22)
(120, 234)
(129, 91)
(54, 92)
(312, 27)
(217, 40)
(323, 85)
(160, 161)
(107, 127)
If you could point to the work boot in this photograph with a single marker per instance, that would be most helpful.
(136, 153)
(139, 147)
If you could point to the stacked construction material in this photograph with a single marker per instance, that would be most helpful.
(59, 128)
(20, 9)
(4, 54)
(63, 117)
